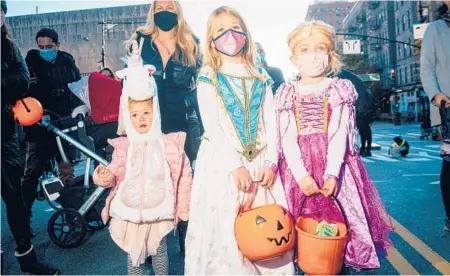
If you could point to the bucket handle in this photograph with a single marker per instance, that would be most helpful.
(338, 203)
(243, 207)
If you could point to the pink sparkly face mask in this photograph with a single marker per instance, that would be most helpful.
(230, 42)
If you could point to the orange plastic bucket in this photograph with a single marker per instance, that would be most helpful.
(318, 255)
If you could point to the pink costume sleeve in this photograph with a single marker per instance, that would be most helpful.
(113, 167)
(342, 126)
(287, 131)
(184, 190)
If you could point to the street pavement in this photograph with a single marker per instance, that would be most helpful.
(409, 187)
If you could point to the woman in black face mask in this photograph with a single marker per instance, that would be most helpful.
(167, 43)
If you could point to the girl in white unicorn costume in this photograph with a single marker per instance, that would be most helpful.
(149, 174)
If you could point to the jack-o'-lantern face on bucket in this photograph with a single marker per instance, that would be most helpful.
(264, 232)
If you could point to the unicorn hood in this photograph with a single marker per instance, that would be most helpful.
(145, 194)
(138, 85)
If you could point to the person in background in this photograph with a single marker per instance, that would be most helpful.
(434, 73)
(54, 70)
(15, 78)
(365, 111)
(274, 72)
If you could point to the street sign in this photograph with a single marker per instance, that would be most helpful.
(369, 77)
(351, 47)
(419, 30)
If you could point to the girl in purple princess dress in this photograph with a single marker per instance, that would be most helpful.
(317, 144)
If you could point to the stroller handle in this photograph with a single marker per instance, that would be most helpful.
(60, 134)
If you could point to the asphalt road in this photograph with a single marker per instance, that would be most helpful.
(409, 188)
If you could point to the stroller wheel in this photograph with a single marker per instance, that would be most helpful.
(67, 228)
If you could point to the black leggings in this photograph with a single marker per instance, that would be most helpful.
(16, 211)
(445, 186)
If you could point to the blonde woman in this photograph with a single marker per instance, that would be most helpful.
(237, 157)
(318, 158)
(167, 43)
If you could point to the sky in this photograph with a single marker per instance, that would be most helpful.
(269, 21)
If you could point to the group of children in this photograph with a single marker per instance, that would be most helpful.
(300, 145)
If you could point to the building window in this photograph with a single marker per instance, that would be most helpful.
(405, 49)
(400, 76)
(398, 25)
(314, 11)
(413, 73)
(406, 75)
(338, 15)
(338, 22)
(403, 21)
(409, 20)
(322, 10)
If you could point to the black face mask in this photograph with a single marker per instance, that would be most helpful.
(166, 20)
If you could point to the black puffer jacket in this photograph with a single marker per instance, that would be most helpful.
(51, 89)
(15, 78)
(177, 95)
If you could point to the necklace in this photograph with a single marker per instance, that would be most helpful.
(165, 47)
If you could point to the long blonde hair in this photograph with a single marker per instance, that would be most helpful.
(307, 29)
(213, 58)
(186, 45)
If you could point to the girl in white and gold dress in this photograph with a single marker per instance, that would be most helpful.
(238, 154)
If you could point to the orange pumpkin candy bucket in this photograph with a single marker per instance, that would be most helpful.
(27, 111)
(264, 232)
(320, 255)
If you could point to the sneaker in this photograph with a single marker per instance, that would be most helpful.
(368, 153)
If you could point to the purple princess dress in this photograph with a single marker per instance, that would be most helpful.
(317, 137)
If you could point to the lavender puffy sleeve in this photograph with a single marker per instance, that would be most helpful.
(287, 128)
(341, 127)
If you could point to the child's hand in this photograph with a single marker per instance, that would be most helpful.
(308, 186)
(104, 173)
(329, 187)
(242, 179)
(267, 177)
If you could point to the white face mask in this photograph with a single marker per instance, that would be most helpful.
(312, 64)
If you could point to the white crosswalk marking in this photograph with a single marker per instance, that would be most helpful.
(433, 146)
(366, 160)
(380, 157)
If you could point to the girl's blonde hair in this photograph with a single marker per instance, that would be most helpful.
(186, 45)
(213, 57)
(307, 29)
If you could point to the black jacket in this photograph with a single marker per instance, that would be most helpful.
(177, 95)
(50, 87)
(365, 106)
(15, 79)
